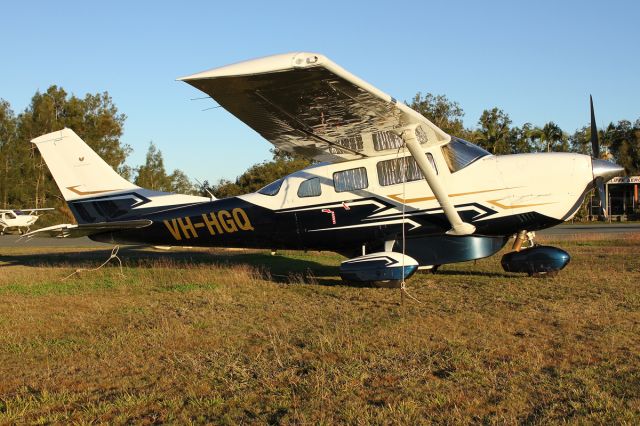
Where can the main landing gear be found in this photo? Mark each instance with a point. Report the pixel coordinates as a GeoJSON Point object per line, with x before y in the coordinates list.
{"type": "Point", "coordinates": [381, 269]}
{"type": "Point", "coordinates": [534, 260]}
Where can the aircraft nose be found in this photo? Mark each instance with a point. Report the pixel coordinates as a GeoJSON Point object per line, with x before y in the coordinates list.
{"type": "Point", "coordinates": [605, 170]}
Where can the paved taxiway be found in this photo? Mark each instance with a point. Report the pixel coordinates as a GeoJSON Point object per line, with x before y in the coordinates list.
{"type": "Point", "coordinates": [580, 229]}
{"type": "Point", "coordinates": [561, 230]}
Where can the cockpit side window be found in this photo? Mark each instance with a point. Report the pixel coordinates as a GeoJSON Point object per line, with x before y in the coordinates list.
{"type": "Point", "coordinates": [310, 188]}
{"type": "Point", "coordinates": [459, 154]}
{"type": "Point", "coordinates": [350, 180]}
{"type": "Point", "coordinates": [272, 189]}
{"type": "Point", "coordinates": [398, 170]}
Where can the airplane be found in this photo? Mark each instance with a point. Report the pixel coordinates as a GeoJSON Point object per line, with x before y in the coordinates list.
{"type": "Point", "coordinates": [19, 219]}
{"type": "Point", "coordinates": [389, 190]}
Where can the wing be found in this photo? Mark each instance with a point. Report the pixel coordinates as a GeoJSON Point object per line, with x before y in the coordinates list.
{"type": "Point", "coordinates": [67, 230]}
{"type": "Point", "coordinates": [306, 104]}
{"type": "Point", "coordinates": [43, 209]}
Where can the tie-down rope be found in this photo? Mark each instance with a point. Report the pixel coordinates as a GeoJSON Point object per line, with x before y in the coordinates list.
{"type": "Point", "coordinates": [114, 255]}
{"type": "Point", "coordinates": [403, 284]}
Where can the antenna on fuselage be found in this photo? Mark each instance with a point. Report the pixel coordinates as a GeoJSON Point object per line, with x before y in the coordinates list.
{"type": "Point", "coordinates": [211, 196]}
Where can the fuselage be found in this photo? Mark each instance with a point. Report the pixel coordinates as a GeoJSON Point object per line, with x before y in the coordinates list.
{"type": "Point", "coordinates": [365, 204]}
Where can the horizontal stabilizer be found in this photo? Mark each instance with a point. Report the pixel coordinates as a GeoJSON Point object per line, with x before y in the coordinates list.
{"type": "Point", "coordinates": [67, 230]}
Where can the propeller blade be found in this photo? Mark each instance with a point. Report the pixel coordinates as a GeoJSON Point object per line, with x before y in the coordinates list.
{"type": "Point", "coordinates": [601, 196]}
{"type": "Point", "coordinates": [595, 145]}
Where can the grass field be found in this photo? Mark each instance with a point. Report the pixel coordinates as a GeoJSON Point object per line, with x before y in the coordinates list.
{"type": "Point", "coordinates": [244, 337]}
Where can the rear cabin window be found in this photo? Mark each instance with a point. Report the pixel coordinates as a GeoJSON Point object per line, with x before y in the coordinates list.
{"type": "Point", "coordinates": [390, 172]}
{"type": "Point", "coordinates": [310, 188]}
{"type": "Point", "coordinates": [350, 180]}
{"type": "Point", "coordinates": [272, 189]}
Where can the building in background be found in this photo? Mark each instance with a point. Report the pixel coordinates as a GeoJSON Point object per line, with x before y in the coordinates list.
{"type": "Point", "coordinates": [621, 199]}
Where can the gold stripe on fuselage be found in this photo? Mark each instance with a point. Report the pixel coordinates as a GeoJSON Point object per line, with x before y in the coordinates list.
{"type": "Point", "coordinates": [397, 197]}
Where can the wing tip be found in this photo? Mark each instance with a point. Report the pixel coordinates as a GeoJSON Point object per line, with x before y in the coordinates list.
{"type": "Point", "coordinates": [263, 65]}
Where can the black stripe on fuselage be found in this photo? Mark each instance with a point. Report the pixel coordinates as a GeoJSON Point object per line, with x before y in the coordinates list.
{"type": "Point", "coordinates": [234, 222]}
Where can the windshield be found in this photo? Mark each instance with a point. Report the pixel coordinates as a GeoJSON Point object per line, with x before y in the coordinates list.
{"type": "Point", "coordinates": [272, 189]}
{"type": "Point", "coordinates": [459, 154]}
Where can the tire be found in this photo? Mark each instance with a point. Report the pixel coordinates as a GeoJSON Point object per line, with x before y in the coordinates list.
{"type": "Point", "coordinates": [548, 274]}
{"type": "Point", "coordinates": [387, 284]}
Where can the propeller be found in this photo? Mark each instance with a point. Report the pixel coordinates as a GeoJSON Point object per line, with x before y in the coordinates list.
{"type": "Point", "coordinates": [595, 145]}
{"type": "Point", "coordinates": [595, 152]}
{"type": "Point", "coordinates": [603, 171]}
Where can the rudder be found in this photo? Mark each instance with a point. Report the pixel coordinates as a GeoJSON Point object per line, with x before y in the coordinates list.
{"type": "Point", "coordinates": [78, 170]}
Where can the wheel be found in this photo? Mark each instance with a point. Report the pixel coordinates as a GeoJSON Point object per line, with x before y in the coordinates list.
{"type": "Point", "coordinates": [547, 274]}
{"type": "Point", "coordinates": [387, 284]}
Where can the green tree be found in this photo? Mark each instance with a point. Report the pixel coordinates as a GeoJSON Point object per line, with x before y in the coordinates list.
{"type": "Point", "coordinates": [95, 119]}
{"type": "Point", "coordinates": [153, 175]}
{"type": "Point", "coordinates": [258, 176]}
{"type": "Point", "coordinates": [180, 183]}
{"type": "Point", "coordinates": [8, 137]}
{"type": "Point", "coordinates": [224, 189]}
{"type": "Point", "coordinates": [442, 112]}
{"type": "Point", "coordinates": [580, 141]}
{"type": "Point", "coordinates": [494, 133]}
{"type": "Point", "coordinates": [520, 140]}
{"type": "Point", "coordinates": [551, 138]}
{"type": "Point", "coordinates": [623, 140]}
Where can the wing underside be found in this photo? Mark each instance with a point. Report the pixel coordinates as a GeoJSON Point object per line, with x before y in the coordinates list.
{"type": "Point", "coordinates": [306, 104]}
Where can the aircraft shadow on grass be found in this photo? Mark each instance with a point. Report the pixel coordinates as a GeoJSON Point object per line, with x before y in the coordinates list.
{"type": "Point", "coordinates": [280, 268]}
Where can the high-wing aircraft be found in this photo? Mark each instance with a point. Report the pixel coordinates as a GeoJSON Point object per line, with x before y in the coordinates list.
{"type": "Point", "coordinates": [390, 190]}
{"type": "Point", "coordinates": [19, 219]}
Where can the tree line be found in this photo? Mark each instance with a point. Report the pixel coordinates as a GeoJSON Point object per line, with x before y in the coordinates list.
{"type": "Point", "coordinates": [25, 181]}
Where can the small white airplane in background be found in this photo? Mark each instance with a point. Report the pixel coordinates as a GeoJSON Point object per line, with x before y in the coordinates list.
{"type": "Point", "coordinates": [19, 219]}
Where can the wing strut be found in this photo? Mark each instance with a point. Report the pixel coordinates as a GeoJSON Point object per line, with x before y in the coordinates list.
{"type": "Point", "coordinates": [458, 227]}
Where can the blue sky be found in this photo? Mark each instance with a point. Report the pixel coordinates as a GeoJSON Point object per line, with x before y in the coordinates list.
{"type": "Point", "coordinates": [537, 60]}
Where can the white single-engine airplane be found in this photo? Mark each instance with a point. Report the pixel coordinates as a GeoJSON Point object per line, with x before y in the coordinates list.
{"type": "Point", "coordinates": [19, 219]}
{"type": "Point", "coordinates": [391, 191]}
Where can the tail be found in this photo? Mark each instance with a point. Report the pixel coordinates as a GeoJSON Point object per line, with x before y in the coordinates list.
{"type": "Point", "coordinates": [94, 192]}
{"type": "Point", "coordinates": [78, 171]}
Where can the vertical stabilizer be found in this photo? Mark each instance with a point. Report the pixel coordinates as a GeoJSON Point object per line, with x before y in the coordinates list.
{"type": "Point", "coordinates": [76, 168]}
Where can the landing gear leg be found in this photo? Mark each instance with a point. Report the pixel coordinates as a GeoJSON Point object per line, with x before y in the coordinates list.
{"type": "Point", "coordinates": [521, 237]}
{"type": "Point", "coordinates": [517, 243]}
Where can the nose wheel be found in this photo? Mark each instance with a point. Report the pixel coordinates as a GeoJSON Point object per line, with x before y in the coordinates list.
{"type": "Point", "coordinates": [534, 260]}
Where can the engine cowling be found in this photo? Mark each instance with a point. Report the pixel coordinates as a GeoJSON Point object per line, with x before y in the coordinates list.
{"type": "Point", "coordinates": [537, 260]}
{"type": "Point", "coordinates": [381, 268]}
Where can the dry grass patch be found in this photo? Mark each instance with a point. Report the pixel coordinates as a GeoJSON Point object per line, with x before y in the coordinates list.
{"type": "Point", "coordinates": [208, 336]}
